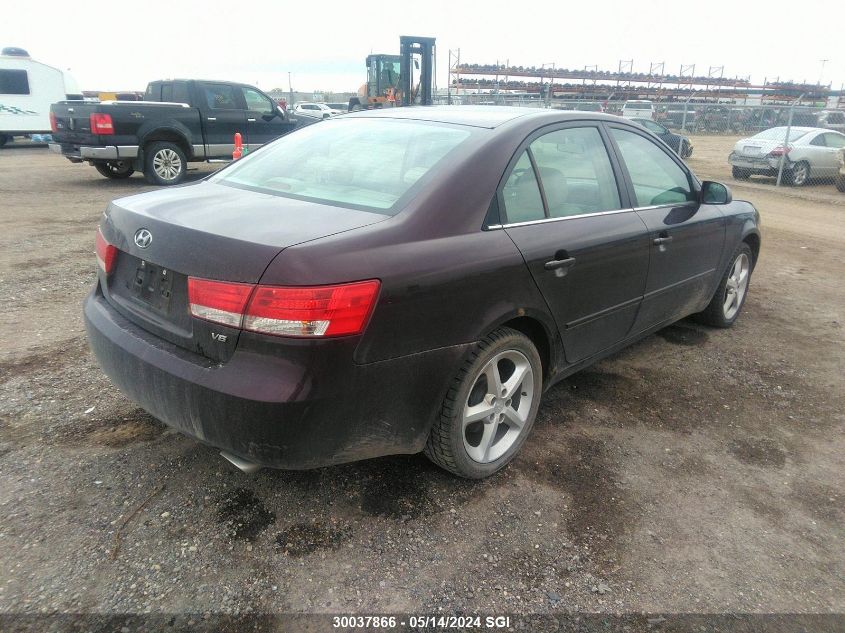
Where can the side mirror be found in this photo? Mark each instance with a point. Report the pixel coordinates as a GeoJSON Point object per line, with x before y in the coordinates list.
{"type": "Point", "coordinates": [715, 193]}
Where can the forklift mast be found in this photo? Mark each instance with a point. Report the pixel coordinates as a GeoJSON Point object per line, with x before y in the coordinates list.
{"type": "Point", "coordinates": [423, 46]}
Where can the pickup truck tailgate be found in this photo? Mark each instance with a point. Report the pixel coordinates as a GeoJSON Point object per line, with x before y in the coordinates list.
{"type": "Point", "coordinates": [73, 122]}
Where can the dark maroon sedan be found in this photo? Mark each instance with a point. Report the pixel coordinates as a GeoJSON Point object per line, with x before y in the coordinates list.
{"type": "Point", "coordinates": [407, 280]}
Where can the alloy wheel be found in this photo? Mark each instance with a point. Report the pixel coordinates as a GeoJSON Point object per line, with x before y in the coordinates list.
{"type": "Point", "coordinates": [736, 286]}
{"type": "Point", "coordinates": [498, 406]}
{"type": "Point", "coordinates": [167, 164]}
{"type": "Point", "coordinates": [800, 173]}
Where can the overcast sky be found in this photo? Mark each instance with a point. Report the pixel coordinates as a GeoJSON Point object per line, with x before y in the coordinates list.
{"type": "Point", "coordinates": [323, 43]}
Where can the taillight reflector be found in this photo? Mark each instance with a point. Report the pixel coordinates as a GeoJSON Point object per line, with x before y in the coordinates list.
{"type": "Point", "coordinates": [53, 123]}
{"type": "Point", "coordinates": [338, 310]}
{"type": "Point", "coordinates": [101, 123]}
{"type": "Point", "coordinates": [106, 253]}
{"type": "Point", "coordinates": [780, 150]}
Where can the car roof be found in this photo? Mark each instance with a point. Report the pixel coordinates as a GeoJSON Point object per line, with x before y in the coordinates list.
{"type": "Point", "coordinates": [477, 116]}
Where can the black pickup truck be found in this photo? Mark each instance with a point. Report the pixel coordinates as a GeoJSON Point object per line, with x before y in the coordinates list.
{"type": "Point", "coordinates": [178, 121]}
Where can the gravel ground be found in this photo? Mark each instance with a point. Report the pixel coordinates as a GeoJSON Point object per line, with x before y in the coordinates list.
{"type": "Point", "coordinates": [697, 471]}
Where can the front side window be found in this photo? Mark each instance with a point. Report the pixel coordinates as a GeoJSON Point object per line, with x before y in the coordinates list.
{"type": "Point", "coordinates": [221, 97]}
{"type": "Point", "coordinates": [256, 102]}
{"type": "Point", "coordinates": [14, 82]}
{"type": "Point", "coordinates": [657, 179]}
{"type": "Point", "coordinates": [361, 163]}
{"type": "Point", "coordinates": [521, 193]}
{"type": "Point", "coordinates": [575, 171]}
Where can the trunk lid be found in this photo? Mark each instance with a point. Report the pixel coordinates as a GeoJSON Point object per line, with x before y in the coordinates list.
{"type": "Point", "coordinates": [210, 231]}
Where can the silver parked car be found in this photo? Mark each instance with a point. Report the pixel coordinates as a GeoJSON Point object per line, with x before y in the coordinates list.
{"type": "Point", "coordinates": [810, 153]}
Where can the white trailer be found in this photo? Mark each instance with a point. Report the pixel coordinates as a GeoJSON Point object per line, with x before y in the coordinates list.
{"type": "Point", "coordinates": [27, 89]}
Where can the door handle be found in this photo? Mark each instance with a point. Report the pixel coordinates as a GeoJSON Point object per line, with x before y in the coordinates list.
{"type": "Point", "coordinates": [664, 239]}
{"type": "Point", "coordinates": [212, 118]}
{"type": "Point", "coordinates": [556, 264]}
{"type": "Point", "coordinates": [251, 120]}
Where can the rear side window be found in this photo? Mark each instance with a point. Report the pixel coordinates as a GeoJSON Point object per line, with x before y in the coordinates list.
{"type": "Point", "coordinates": [575, 171]}
{"type": "Point", "coordinates": [14, 82]}
{"type": "Point", "coordinates": [153, 92]}
{"type": "Point", "coordinates": [221, 97]}
{"type": "Point", "coordinates": [657, 179]}
{"type": "Point", "coordinates": [180, 92]}
{"type": "Point", "coordinates": [521, 193]}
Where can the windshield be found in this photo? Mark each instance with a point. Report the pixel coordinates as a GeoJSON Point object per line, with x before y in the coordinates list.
{"type": "Point", "coordinates": [361, 163]}
{"type": "Point", "coordinates": [779, 133]}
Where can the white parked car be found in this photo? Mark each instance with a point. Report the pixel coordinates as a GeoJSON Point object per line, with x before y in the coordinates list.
{"type": "Point", "coordinates": [314, 110]}
{"type": "Point", "coordinates": [638, 109]}
{"type": "Point", "coordinates": [811, 152]}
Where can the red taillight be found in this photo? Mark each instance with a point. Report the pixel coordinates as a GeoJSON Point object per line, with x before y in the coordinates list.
{"type": "Point", "coordinates": [53, 123]}
{"type": "Point", "coordinates": [339, 310]}
{"type": "Point", "coordinates": [106, 253]}
{"type": "Point", "coordinates": [218, 301]}
{"type": "Point", "coordinates": [780, 150]}
{"type": "Point", "coordinates": [101, 123]}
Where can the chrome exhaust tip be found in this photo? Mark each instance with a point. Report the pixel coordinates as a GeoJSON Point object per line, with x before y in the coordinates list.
{"type": "Point", "coordinates": [242, 464]}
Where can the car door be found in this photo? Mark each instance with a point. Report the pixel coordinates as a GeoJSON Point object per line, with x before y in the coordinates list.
{"type": "Point", "coordinates": [586, 249]}
{"type": "Point", "coordinates": [264, 120]}
{"type": "Point", "coordinates": [222, 111]}
{"type": "Point", "coordinates": [686, 237]}
{"type": "Point", "coordinates": [826, 146]}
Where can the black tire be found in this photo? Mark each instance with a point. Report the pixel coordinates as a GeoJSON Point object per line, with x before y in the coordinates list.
{"type": "Point", "coordinates": [840, 183]}
{"type": "Point", "coordinates": [715, 313]}
{"type": "Point", "coordinates": [446, 443]}
{"type": "Point", "coordinates": [740, 173]}
{"type": "Point", "coordinates": [798, 175]}
{"type": "Point", "coordinates": [3, 139]}
{"type": "Point", "coordinates": [687, 150]}
{"type": "Point", "coordinates": [117, 169]}
{"type": "Point", "coordinates": [164, 163]}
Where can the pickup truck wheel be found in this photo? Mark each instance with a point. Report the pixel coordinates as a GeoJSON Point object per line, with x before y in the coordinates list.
{"type": "Point", "coordinates": [164, 163]}
{"type": "Point", "coordinates": [117, 169]}
{"type": "Point", "coordinates": [840, 183]}
{"type": "Point", "coordinates": [727, 301]}
{"type": "Point", "coordinates": [490, 407]}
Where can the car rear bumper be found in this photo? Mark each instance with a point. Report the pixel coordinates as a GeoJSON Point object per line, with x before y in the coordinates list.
{"type": "Point", "coordinates": [105, 152]}
{"type": "Point", "coordinates": [759, 165]}
{"type": "Point", "coordinates": [273, 410]}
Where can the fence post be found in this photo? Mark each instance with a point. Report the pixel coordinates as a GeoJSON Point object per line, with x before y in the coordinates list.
{"type": "Point", "coordinates": [786, 139]}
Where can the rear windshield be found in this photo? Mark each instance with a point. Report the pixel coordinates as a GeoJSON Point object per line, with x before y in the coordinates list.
{"type": "Point", "coordinates": [779, 133]}
{"type": "Point", "coordinates": [365, 164]}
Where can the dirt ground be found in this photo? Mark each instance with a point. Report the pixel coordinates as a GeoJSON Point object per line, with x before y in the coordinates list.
{"type": "Point", "coordinates": [698, 471]}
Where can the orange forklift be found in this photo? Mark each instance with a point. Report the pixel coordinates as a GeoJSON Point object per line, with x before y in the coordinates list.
{"type": "Point", "coordinates": [390, 77]}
